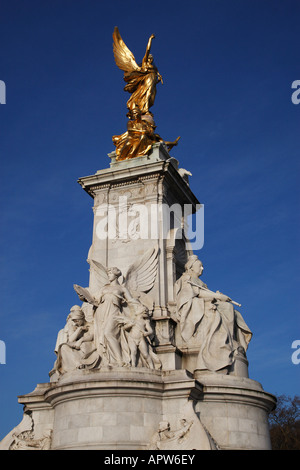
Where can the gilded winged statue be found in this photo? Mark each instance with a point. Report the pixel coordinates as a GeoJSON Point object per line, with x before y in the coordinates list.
{"type": "Point", "coordinates": [141, 79]}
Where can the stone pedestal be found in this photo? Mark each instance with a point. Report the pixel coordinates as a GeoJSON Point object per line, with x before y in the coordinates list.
{"type": "Point", "coordinates": [235, 411]}
{"type": "Point", "coordinates": [122, 410]}
{"type": "Point", "coordinates": [116, 409]}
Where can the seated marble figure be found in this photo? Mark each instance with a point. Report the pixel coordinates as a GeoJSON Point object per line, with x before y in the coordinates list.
{"type": "Point", "coordinates": [210, 319]}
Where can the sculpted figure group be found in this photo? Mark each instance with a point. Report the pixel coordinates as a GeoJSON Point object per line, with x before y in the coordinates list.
{"type": "Point", "coordinates": [112, 327]}
{"type": "Point", "coordinates": [189, 434]}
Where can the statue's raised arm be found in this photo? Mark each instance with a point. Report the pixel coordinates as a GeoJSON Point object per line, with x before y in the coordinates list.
{"type": "Point", "coordinates": [148, 49]}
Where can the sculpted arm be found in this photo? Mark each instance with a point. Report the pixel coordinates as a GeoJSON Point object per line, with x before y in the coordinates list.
{"type": "Point", "coordinates": [210, 295]}
{"type": "Point", "coordinates": [148, 48]}
{"type": "Point", "coordinates": [98, 298]}
{"type": "Point", "coordinates": [87, 337]}
{"type": "Point", "coordinates": [128, 297]}
{"type": "Point", "coordinates": [148, 328]}
{"type": "Point", "coordinates": [74, 336]}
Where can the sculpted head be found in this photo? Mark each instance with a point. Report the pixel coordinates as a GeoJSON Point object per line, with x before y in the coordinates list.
{"type": "Point", "coordinates": [77, 315]}
{"type": "Point", "coordinates": [194, 266]}
{"type": "Point", "coordinates": [113, 273]}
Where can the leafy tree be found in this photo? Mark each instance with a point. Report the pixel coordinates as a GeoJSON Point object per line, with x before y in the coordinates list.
{"type": "Point", "coordinates": [284, 423]}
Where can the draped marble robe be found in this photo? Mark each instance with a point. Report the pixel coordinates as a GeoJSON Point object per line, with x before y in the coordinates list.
{"type": "Point", "coordinates": [219, 328]}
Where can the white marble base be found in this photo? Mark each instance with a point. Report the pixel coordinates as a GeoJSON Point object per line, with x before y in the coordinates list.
{"type": "Point", "coordinates": [235, 411]}
{"type": "Point", "coordinates": [122, 408]}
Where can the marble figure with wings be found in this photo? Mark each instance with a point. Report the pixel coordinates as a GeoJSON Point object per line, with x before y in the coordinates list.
{"type": "Point", "coordinates": [117, 296]}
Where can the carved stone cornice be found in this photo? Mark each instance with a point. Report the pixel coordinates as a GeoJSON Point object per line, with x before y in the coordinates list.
{"type": "Point", "coordinates": [155, 169]}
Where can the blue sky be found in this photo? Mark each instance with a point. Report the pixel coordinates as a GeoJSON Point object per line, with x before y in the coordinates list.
{"type": "Point", "coordinates": [227, 67]}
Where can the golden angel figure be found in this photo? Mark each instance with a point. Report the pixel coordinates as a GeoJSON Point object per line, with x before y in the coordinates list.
{"type": "Point", "coordinates": [141, 79]}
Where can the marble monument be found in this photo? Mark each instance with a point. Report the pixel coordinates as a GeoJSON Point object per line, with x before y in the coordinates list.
{"type": "Point", "coordinates": [149, 358]}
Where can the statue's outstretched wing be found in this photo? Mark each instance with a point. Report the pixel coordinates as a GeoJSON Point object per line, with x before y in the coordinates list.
{"type": "Point", "coordinates": [99, 272]}
{"type": "Point", "coordinates": [141, 275]}
{"type": "Point", "coordinates": [86, 294]}
{"type": "Point", "coordinates": [123, 56]}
